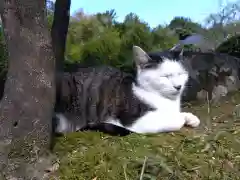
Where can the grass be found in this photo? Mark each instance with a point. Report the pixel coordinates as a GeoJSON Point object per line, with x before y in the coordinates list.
{"type": "Point", "coordinates": [211, 151]}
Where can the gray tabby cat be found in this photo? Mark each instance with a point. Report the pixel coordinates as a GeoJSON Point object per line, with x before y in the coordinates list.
{"type": "Point", "coordinates": [109, 100]}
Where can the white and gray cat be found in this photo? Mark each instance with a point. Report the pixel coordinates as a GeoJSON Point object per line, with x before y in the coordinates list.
{"type": "Point", "coordinates": [109, 100]}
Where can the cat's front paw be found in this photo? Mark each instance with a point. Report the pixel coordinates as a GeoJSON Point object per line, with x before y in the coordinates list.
{"type": "Point", "coordinates": [191, 119]}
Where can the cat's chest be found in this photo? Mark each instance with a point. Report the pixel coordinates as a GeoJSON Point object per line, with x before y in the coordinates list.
{"type": "Point", "coordinates": [157, 101]}
{"type": "Point", "coordinates": [169, 107]}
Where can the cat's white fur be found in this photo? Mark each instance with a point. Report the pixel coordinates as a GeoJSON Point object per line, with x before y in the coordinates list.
{"type": "Point", "coordinates": [157, 89]}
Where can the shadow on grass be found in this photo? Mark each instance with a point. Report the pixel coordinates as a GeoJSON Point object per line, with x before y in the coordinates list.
{"type": "Point", "coordinates": [210, 152]}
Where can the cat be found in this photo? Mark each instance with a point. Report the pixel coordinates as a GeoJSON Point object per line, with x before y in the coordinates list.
{"type": "Point", "coordinates": [108, 99]}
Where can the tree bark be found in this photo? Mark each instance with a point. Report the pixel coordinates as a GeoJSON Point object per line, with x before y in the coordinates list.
{"type": "Point", "coordinates": [29, 93]}
{"type": "Point", "coordinates": [59, 35]}
{"type": "Point", "coordinates": [59, 30]}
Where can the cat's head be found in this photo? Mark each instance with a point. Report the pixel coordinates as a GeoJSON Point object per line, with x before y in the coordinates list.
{"type": "Point", "coordinates": [163, 75]}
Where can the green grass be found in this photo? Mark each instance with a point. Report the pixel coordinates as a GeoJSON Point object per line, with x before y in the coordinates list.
{"type": "Point", "coordinates": [211, 151]}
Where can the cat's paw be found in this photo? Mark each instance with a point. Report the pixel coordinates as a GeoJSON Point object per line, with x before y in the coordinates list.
{"type": "Point", "coordinates": [191, 119]}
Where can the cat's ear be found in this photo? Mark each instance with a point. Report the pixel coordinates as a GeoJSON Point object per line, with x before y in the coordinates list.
{"type": "Point", "coordinates": [140, 57]}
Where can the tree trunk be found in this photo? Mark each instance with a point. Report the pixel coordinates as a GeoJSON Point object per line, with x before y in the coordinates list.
{"type": "Point", "coordinates": [59, 35]}
{"type": "Point", "coordinates": [29, 94]}
{"type": "Point", "coordinates": [59, 30]}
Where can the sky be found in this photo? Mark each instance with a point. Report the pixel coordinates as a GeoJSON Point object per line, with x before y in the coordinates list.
{"type": "Point", "coordinates": [154, 12]}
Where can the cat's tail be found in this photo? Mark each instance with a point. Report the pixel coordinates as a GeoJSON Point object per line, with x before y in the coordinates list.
{"type": "Point", "coordinates": [59, 127]}
{"type": "Point", "coordinates": [107, 128]}
{"type": "Point", "coordinates": [62, 125]}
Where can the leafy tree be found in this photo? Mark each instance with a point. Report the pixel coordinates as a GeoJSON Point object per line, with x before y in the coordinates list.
{"type": "Point", "coordinates": [230, 46]}
{"type": "Point", "coordinates": [103, 49]}
{"type": "Point", "coordinates": [137, 33]}
{"type": "Point", "coordinates": [224, 22]}
{"type": "Point", "coordinates": [163, 38]}
{"type": "Point", "coordinates": [184, 26]}
{"type": "Point", "coordinates": [107, 18]}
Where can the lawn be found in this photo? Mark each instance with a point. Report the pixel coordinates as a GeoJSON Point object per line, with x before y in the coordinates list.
{"type": "Point", "coordinates": [211, 151]}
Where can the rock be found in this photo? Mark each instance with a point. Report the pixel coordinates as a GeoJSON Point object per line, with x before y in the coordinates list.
{"type": "Point", "coordinates": [218, 74]}
{"type": "Point", "coordinates": [192, 88]}
{"type": "Point", "coordinates": [232, 82]}
{"type": "Point", "coordinates": [218, 92]}
{"type": "Point", "coordinates": [202, 95]}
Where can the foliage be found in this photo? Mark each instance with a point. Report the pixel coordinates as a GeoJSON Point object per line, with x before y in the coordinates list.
{"type": "Point", "coordinates": [185, 26]}
{"type": "Point", "coordinates": [99, 38]}
{"type": "Point", "coordinates": [231, 46]}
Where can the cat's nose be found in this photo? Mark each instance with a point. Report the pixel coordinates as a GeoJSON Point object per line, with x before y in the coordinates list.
{"type": "Point", "coordinates": [178, 87]}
